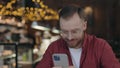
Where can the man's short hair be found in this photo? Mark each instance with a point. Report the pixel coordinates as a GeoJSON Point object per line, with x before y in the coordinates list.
{"type": "Point", "coordinates": [69, 10]}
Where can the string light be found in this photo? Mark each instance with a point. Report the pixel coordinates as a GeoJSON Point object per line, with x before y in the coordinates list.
{"type": "Point", "coordinates": [29, 13]}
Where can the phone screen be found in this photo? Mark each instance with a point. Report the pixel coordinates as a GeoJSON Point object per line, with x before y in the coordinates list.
{"type": "Point", "coordinates": [60, 60]}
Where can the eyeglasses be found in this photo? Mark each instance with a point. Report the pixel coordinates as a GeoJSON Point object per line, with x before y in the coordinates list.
{"type": "Point", "coordinates": [75, 32]}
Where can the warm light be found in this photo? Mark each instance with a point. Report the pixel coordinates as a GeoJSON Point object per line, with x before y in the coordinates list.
{"type": "Point", "coordinates": [1, 6]}
{"type": "Point", "coordinates": [88, 10]}
{"type": "Point", "coordinates": [38, 1]}
{"type": "Point", "coordinates": [33, 0]}
{"type": "Point", "coordinates": [29, 13]}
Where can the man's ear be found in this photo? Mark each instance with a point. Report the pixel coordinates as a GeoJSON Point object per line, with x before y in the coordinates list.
{"type": "Point", "coordinates": [85, 25]}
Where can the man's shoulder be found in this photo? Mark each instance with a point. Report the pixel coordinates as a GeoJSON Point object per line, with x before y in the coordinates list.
{"type": "Point", "coordinates": [96, 39]}
{"type": "Point", "coordinates": [57, 46]}
{"type": "Point", "coordinates": [99, 43]}
{"type": "Point", "coordinates": [57, 43]}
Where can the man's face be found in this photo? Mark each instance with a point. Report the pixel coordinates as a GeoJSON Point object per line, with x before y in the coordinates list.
{"type": "Point", "coordinates": [72, 30]}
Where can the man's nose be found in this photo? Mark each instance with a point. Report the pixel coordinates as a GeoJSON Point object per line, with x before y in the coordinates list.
{"type": "Point", "coordinates": [70, 36]}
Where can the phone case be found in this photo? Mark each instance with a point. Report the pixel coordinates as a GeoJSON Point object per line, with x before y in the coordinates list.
{"type": "Point", "coordinates": [60, 60]}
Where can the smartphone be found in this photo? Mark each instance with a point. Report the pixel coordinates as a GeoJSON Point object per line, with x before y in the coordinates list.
{"type": "Point", "coordinates": [60, 60]}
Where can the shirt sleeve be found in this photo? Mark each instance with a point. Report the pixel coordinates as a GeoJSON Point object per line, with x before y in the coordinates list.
{"type": "Point", "coordinates": [46, 61]}
{"type": "Point", "coordinates": [108, 59]}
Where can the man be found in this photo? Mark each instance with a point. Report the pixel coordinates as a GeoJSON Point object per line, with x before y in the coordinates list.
{"type": "Point", "coordinates": [83, 50]}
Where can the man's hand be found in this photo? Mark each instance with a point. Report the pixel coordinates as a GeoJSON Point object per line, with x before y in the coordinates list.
{"type": "Point", "coordinates": [66, 67]}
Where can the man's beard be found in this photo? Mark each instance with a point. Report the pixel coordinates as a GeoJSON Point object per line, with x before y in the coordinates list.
{"type": "Point", "coordinates": [77, 45]}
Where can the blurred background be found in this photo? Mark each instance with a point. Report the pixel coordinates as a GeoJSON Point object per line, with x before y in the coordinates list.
{"type": "Point", "coordinates": [27, 27]}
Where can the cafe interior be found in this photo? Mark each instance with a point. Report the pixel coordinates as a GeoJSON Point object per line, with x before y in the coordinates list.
{"type": "Point", "coordinates": [27, 27]}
